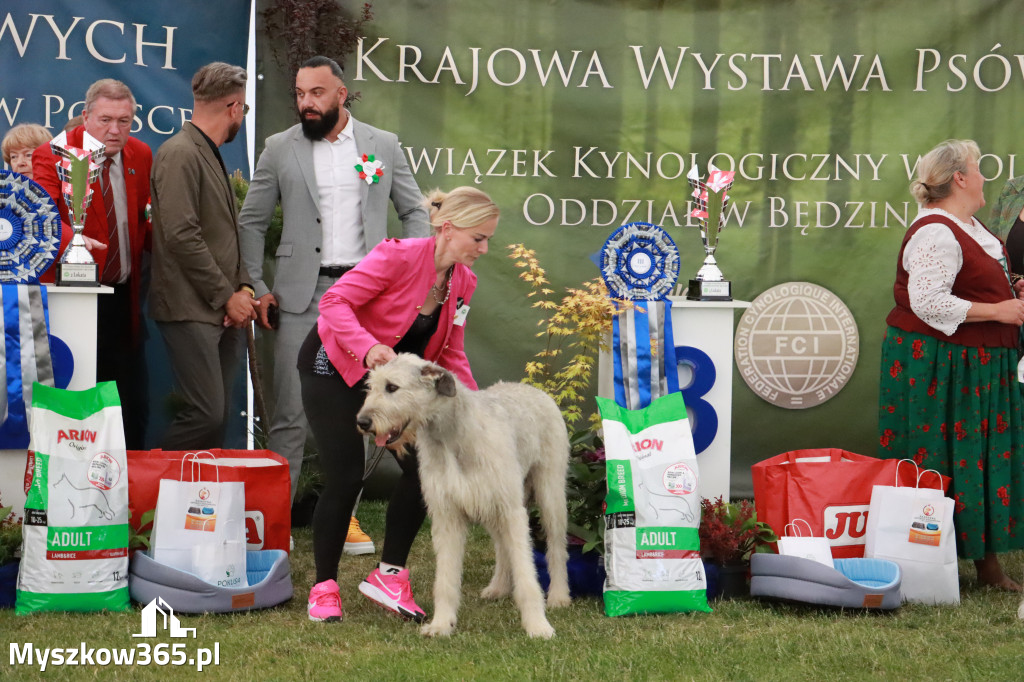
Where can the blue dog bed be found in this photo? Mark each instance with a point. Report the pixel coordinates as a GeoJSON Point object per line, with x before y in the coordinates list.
{"type": "Point", "coordinates": [852, 584]}
{"type": "Point", "coordinates": [268, 572]}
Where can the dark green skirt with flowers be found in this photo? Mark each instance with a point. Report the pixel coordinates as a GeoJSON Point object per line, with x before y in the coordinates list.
{"type": "Point", "coordinates": [959, 410]}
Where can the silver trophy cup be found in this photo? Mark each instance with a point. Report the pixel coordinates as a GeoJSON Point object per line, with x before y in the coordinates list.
{"type": "Point", "coordinates": [710, 200]}
{"type": "Point", "coordinates": [77, 169]}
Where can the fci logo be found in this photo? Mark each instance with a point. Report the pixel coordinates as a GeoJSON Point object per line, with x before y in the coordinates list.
{"type": "Point", "coordinates": [846, 524]}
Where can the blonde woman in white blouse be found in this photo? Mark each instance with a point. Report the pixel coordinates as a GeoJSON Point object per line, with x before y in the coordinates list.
{"type": "Point", "coordinates": [949, 398]}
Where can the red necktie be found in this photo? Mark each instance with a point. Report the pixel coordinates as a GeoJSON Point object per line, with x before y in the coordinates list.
{"type": "Point", "coordinates": [112, 271]}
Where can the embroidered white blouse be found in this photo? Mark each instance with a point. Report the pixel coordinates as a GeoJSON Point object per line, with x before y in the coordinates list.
{"type": "Point", "coordinates": [932, 260]}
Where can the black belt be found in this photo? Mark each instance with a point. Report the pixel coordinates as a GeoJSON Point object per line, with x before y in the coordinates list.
{"type": "Point", "coordinates": [334, 271]}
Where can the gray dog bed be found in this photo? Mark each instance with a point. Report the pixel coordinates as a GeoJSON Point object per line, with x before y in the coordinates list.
{"type": "Point", "coordinates": [268, 571]}
{"type": "Point", "coordinates": [853, 583]}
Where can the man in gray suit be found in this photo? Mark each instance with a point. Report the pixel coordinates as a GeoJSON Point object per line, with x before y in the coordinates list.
{"type": "Point", "coordinates": [332, 218]}
{"type": "Point", "coordinates": [200, 294]}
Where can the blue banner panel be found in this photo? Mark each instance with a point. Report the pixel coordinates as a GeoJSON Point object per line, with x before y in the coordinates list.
{"type": "Point", "coordinates": [52, 50]}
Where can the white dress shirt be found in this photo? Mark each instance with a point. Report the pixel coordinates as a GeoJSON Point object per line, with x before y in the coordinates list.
{"type": "Point", "coordinates": [340, 204]}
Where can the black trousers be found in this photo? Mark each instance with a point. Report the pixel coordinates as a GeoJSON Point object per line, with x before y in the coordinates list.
{"type": "Point", "coordinates": [331, 407]}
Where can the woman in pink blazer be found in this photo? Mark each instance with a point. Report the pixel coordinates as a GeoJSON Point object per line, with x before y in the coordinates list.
{"type": "Point", "coordinates": [407, 295]}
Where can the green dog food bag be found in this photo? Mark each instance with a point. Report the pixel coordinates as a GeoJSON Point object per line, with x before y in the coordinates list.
{"type": "Point", "coordinates": [75, 548]}
{"type": "Point", "coordinates": [652, 546]}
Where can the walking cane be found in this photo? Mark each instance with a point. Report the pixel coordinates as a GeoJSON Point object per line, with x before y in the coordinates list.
{"type": "Point", "coordinates": [256, 379]}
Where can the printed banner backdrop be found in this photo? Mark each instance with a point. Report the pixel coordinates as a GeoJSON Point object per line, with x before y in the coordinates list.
{"type": "Point", "coordinates": [579, 116]}
{"type": "Point", "coordinates": [53, 50]}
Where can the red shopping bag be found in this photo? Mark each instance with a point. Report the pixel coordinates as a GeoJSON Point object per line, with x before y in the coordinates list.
{"type": "Point", "coordinates": [829, 488]}
{"type": "Point", "coordinates": [264, 474]}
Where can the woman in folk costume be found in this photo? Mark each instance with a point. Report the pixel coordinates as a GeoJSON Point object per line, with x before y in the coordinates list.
{"type": "Point", "coordinates": [949, 398]}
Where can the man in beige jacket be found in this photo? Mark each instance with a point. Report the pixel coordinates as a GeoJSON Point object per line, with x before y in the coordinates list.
{"type": "Point", "coordinates": [200, 295]}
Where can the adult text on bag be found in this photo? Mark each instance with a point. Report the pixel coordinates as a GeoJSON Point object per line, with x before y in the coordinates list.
{"type": "Point", "coordinates": [652, 545]}
{"type": "Point", "coordinates": [75, 552]}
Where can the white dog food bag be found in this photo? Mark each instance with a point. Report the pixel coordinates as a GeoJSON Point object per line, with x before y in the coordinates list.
{"type": "Point", "coordinates": [652, 545]}
{"type": "Point", "coordinates": [75, 550]}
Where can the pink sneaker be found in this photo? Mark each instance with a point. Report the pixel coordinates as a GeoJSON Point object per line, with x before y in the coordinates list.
{"type": "Point", "coordinates": [325, 602]}
{"type": "Point", "coordinates": [393, 592]}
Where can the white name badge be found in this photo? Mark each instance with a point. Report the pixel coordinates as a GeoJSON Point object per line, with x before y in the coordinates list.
{"type": "Point", "coordinates": [461, 314]}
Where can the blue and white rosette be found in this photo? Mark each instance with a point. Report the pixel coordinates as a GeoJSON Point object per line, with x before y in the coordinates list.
{"type": "Point", "coordinates": [29, 240]}
{"type": "Point", "coordinates": [29, 229]}
{"type": "Point", "coordinates": [640, 263]}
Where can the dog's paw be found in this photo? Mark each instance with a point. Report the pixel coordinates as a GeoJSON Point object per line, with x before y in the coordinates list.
{"type": "Point", "coordinates": [436, 628]}
{"type": "Point", "coordinates": [558, 600]}
{"type": "Point", "coordinates": [541, 629]}
{"type": "Point", "coordinates": [1020, 611]}
{"type": "Point", "coordinates": [493, 591]}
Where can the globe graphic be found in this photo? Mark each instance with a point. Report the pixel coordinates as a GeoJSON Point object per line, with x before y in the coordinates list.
{"type": "Point", "coordinates": [803, 345]}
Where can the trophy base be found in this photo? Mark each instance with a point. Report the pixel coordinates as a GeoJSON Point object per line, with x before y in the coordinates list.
{"type": "Point", "coordinates": [701, 290]}
{"type": "Point", "coordinates": [77, 275]}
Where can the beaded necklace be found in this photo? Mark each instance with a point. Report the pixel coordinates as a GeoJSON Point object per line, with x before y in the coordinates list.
{"type": "Point", "coordinates": [446, 285]}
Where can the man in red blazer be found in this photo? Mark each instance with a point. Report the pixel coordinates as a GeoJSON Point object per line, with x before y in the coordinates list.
{"type": "Point", "coordinates": [108, 115]}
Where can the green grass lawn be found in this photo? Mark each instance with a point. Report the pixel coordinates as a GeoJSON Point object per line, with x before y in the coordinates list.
{"type": "Point", "coordinates": [742, 640]}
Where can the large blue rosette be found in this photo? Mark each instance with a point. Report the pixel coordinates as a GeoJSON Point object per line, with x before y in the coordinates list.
{"type": "Point", "coordinates": [640, 262]}
{"type": "Point", "coordinates": [29, 241]}
{"type": "Point", "coordinates": [29, 229]}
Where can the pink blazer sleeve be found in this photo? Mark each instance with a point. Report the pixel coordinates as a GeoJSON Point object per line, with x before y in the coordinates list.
{"type": "Point", "coordinates": [372, 280]}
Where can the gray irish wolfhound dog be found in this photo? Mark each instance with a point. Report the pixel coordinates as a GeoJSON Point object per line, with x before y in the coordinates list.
{"type": "Point", "coordinates": [482, 454]}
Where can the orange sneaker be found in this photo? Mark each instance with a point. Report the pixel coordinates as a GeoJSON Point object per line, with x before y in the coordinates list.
{"type": "Point", "coordinates": [357, 542]}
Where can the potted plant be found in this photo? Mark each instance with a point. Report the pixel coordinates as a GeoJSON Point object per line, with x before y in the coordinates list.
{"type": "Point", "coordinates": [585, 493]}
{"type": "Point", "coordinates": [729, 534]}
{"type": "Point", "coordinates": [10, 555]}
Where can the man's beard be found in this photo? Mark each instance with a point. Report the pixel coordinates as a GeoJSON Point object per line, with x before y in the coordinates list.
{"type": "Point", "coordinates": [317, 129]}
{"type": "Point", "coordinates": [235, 127]}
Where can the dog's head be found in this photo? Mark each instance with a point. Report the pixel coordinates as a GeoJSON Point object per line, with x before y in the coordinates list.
{"type": "Point", "coordinates": [400, 396]}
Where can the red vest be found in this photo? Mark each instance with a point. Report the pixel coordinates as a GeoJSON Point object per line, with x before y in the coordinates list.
{"type": "Point", "coordinates": [981, 279]}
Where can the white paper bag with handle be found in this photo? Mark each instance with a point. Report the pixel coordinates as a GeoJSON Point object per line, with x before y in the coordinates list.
{"type": "Point", "coordinates": [221, 563]}
{"type": "Point", "coordinates": [200, 525]}
{"type": "Point", "coordinates": [913, 526]}
{"type": "Point", "coordinates": [805, 546]}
